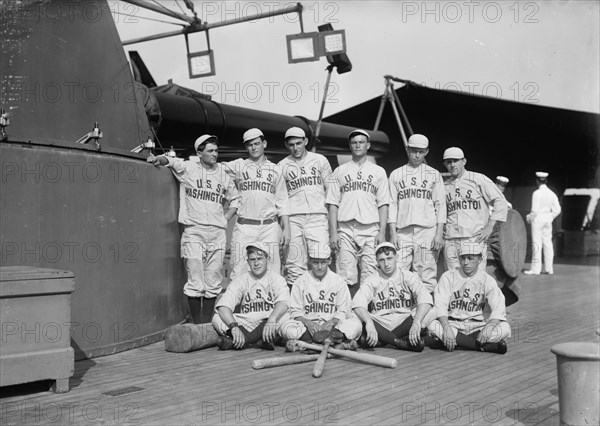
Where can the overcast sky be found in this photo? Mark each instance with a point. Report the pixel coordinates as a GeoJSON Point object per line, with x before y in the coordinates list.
{"type": "Point", "coordinates": [527, 51]}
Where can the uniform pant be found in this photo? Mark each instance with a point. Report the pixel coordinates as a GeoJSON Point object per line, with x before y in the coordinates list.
{"type": "Point", "coordinates": [452, 251]}
{"type": "Point", "coordinates": [415, 253]}
{"type": "Point", "coordinates": [354, 323]}
{"type": "Point", "coordinates": [293, 330]}
{"type": "Point", "coordinates": [501, 331]}
{"type": "Point", "coordinates": [244, 234]}
{"type": "Point", "coordinates": [541, 236]}
{"type": "Point", "coordinates": [222, 329]}
{"type": "Point", "coordinates": [306, 230]}
{"type": "Point", "coordinates": [203, 251]}
{"type": "Point", "coordinates": [357, 244]}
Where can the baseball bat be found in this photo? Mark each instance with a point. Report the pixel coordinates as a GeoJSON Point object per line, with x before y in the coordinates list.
{"type": "Point", "coordinates": [380, 361]}
{"type": "Point", "coordinates": [277, 361]}
{"type": "Point", "coordinates": [320, 364]}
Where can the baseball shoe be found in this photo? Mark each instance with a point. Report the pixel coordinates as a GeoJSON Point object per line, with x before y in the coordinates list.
{"type": "Point", "coordinates": [433, 342]}
{"type": "Point", "coordinates": [497, 348]}
{"type": "Point", "coordinates": [405, 345]}
{"type": "Point", "coordinates": [225, 343]}
{"type": "Point", "coordinates": [348, 345]}
{"type": "Point", "coordinates": [547, 273]}
{"type": "Point", "coordinates": [530, 272]}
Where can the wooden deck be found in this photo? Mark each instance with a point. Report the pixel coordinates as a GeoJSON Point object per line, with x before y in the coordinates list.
{"type": "Point", "coordinates": [152, 386]}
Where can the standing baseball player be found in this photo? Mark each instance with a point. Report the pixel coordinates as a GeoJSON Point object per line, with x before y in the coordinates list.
{"type": "Point", "coordinates": [418, 212]}
{"type": "Point", "coordinates": [320, 304]}
{"type": "Point", "coordinates": [469, 197]}
{"type": "Point", "coordinates": [306, 176]}
{"type": "Point", "coordinates": [263, 199]}
{"type": "Point", "coordinates": [544, 209]}
{"type": "Point", "coordinates": [263, 298]}
{"type": "Point", "coordinates": [460, 298]}
{"type": "Point", "coordinates": [358, 198]}
{"type": "Point", "coordinates": [400, 305]}
{"type": "Point", "coordinates": [204, 189]}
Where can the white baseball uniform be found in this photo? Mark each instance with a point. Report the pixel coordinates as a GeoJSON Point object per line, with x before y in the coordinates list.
{"type": "Point", "coordinates": [306, 181]}
{"type": "Point", "coordinates": [463, 299]}
{"type": "Point", "coordinates": [263, 198]}
{"type": "Point", "coordinates": [318, 301]}
{"type": "Point", "coordinates": [256, 298]}
{"type": "Point", "coordinates": [544, 209]}
{"type": "Point", "coordinates": [468, 199]}
{"type": "Point", "coordinates": [418, 205]}
{"type": "Point", "coordinates": [359, 190]}
{"type": "Point", "coordinates": [202, 195]}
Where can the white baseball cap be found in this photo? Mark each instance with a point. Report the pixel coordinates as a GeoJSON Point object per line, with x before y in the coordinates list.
{"type": "Point", "coordinates": [502, 179]}
{"type": "Point", "coordinates": [319, 251]}
{"type": "Point", "coordinates": [541, 174]}
{"type": "Point", "coordinates": [470, 247]}
{"type": "Point", "coordinates": [259, 245]}
{"type": "Point", "coordinates": [359, 132]}
{"type": "Point", "coordinates": [454, 153]}
{"type": "Point", "coordinates": [418, 141]}
{"type": "Point", "coordinates": [203, 139]}
{"type": "Point", "coordinates": [385, 244]}
{"type": "Point", "coordinates": [252, 134]}
{"type": "Point", "coordinates": [295, 132]}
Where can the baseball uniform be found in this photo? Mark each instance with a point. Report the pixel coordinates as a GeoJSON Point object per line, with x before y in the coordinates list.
{"type": "Point", "coordinates": [418, 205]}
{"type": "Point", "coordinates": [358, 190]}
{"type": "Point", "coordinates": [202, 194]}
{"type": "Point", "coordinates": [306, 182]}
{"type": "Point", "coordinates": [544, 209]}
{"type": "Point", "coordinates": [263, 198]}
{"type": "Point", "coordinates": [468, 199]}
{"type": "Point", "coordinates": [462, 299]}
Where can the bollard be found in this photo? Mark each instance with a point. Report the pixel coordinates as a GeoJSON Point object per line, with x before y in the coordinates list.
{"type": "Point", "coordinates": [578, 382]}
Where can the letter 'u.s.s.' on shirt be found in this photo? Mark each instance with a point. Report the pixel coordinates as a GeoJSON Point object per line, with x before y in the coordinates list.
{"type": "Point", "coordinates": [467, 204]}
{"type": "Point", "coordinates": [358, 191]}
{"type": "Point", "coordinates": [261, 186]}
{"type": "Point", "coordinates": [202, 192]}
{"type": "Point", "coordinates": [306, 181]}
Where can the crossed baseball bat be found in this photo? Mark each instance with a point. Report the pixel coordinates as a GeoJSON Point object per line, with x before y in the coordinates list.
{"type": "Point", "coordinates": [325, 352]}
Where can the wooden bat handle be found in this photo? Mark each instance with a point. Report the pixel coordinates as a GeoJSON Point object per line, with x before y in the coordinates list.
{"type": "Point", "coordinates": [277, 361]}
{"type": "Point", "coordinates": [320, 364]}
{"type": "Point", "coordinates": [357, 356]}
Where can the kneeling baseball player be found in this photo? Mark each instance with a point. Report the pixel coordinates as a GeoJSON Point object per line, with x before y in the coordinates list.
{"type": "Point", "coordinates": [320, 303]}
{"type": "Point", "coordinates": [400, 304]}
{"type": "Point", "coordinates": [263, 297]}
{"type": "Point", "coordinates": [460, 298]}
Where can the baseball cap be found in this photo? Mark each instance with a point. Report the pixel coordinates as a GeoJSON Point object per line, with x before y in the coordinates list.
{"type": "Point", "coordinates": [502, 179]}
{"type": "Point", "coordinates": [418, 141]}
{"type": "Point", "coordinates": [252, 134]}
{"type": "Point", "coordinates": [295, 132]}
{"type": "Point", "coordinates": [259, 245]}
{"type": "Point", "coordinates": [383, 245]}
{"type": "Point", "coordinates": [541, 174]}
{"type": "Point", "coordinates": [319, 251]}
{"type": "Point", "coordinates": [470, 247]}
{"type": "Point", "coordinates": [454, 153]}
{"type": "Point", "coordinates": [203, 139]}
{"type": "Point", "coordinates": [359, 132]}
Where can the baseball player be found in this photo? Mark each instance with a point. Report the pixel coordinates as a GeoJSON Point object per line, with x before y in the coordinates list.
{"type": "Point", "coordinates": [263, 199]}
{"type": "Point", "coordinates": [306, 176]}
{"type": "Point", "coordinates": [418, 212]}
{"type": "Point", "coordinates": [460, 298]}
{"type": "Point", "coordinates": [400, 305]}
{"type": "Point", "coordinates": [320, 303]}
{"type": "Point", "coordinates": [203, 191]}
{"type": "Point", "coordinates": [469, 197]}
{"type": "Point", "coordinates": [358, 198]}
{"type": "Point", "coordinates": [263, 298]}
{"type": "Point", "coordinates": [501, 184]}
{"type": "Point", "coordinates": [544, 209]}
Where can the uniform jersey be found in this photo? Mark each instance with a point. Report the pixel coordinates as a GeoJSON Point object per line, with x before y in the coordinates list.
{"type": "Point", "coordinates": [544, 204]}
{"type": "Point", "coordinates": [202, 192]}
{"type": "Point", "coordinates": [358, 191]}
{"type": "Point", "coordinates": [467, 204]}
{"type": "Point", "coordinates": [256, 297]}
{"type": "Point", "coordinates": [464, 298]}
{"type": "Point", "coordinates": [306, 181]}
{"type": "Point", "coordinates": [262, 189]}
{"type": "Point", "coordinates": [418, 197]}
{"type": "Point", "coordinates": [323, 299]}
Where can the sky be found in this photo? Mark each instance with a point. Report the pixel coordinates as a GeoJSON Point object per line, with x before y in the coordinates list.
{"type": "Point", "coordinates": [545, 53]}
